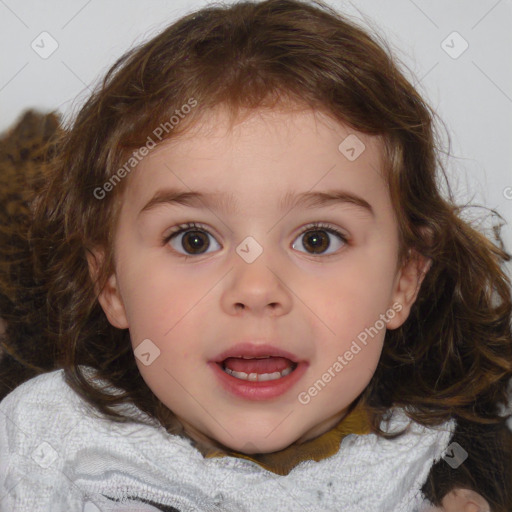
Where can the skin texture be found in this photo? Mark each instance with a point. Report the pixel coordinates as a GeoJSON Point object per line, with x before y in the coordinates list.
{"type": "Point", "coordinates": [312, 305]}
{"type": "Point", "coordinates": [462, 500]}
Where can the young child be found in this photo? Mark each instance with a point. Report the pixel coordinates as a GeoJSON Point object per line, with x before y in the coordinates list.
{"type": "Point", "coordinates": [255, 295]}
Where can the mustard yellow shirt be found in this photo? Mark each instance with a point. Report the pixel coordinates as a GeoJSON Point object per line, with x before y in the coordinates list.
{"type": "Point", "coordinates": [321, 447]}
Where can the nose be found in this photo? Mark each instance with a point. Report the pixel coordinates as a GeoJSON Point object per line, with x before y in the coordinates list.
{"type": "Point", "coordinates": [256, 288]}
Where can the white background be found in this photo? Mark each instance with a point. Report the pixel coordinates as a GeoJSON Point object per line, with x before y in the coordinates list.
{"type": "Point", "coordinates": [472, 93]}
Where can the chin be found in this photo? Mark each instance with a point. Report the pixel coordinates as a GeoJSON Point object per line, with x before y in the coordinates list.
{"type": "Point", "coordinates": [258, 446]}
{"type": "Point", "coordinates": [259, 442]}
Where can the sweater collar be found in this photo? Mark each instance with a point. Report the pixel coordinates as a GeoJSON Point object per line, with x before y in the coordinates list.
{"type": "Point", "coordinates": [321, 447]}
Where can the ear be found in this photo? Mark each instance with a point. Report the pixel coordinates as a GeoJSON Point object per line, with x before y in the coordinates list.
{"type": "Point", "coordinates": [407, 286]}
{"type": "Point", "coordinates": [465, 500]}
{"type": "Point", "coordinates": [475, 502]}
{"type": "Point", "coordinates": [109, 296]}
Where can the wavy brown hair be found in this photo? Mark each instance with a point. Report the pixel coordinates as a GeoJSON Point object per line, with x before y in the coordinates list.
{"type": "Point", "coordinates": [25, 348]}
{"type": "Point", "coordinates": [452, 358]}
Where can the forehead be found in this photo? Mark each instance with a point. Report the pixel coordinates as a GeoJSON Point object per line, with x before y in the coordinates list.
{"type": "Point", "coordinates": [262, 152]}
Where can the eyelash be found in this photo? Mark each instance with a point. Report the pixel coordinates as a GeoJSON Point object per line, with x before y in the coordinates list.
{"type": "Point", "coordinates": [192, 226]}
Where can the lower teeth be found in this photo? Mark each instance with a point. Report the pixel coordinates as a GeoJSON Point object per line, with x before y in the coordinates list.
{"type": "Point", "coordinates": [259, 377]}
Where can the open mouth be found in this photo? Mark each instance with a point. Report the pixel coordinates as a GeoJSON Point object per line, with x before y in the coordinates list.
{"type": "Point", "coordinates": [258, 369]}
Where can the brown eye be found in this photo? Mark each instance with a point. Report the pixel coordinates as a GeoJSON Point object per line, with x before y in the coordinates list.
{"type": "Point", "coordinates": [317, 239]}
{"type": "Point", "coordinates": [187, 241]}
{"type": "Point", "coordinates": [195, 241]}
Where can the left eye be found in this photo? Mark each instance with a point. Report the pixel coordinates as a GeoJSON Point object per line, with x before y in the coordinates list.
{"type": "Point", "coordinates": [317, 240]}
{"type": "Point", "coordinates": [195, 240]}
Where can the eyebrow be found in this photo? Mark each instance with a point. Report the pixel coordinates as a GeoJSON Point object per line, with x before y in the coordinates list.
{"type": "Point", "coordinates": [229, 203]}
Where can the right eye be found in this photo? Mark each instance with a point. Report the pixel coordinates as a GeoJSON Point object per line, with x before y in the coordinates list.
{"type": "Point", "coordinates": [191, 237]}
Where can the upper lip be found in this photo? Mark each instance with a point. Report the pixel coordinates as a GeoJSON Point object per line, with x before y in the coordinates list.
{"type": "Point", "coordinates": [254, 350]}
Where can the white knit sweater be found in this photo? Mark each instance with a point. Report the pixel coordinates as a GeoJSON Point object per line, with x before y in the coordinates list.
{"type": "Point", "coordinates": [56, 455]}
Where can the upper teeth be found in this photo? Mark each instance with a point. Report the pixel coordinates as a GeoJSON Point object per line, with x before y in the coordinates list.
{"type": "Point", "coordinates": [259, 376]}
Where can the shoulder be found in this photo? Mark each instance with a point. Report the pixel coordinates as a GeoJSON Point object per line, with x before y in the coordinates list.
{"type": "Point", "coordinates": [365, 462]}
{"type": "Point", "coordinates": [44, 402]}
{"type": "Point", "coordinates": [41, 388]}
{"type": "Point", "coordinates": [34, 417]}
{"type": "Point", "coordinates": [38, 393]}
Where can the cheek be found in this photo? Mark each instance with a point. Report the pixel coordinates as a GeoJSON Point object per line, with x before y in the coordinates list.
{"type": "Point", "coordinates": [147, 298]}
{"type": "Point", "coordinates": [164, 305]}
{"type": "Point", "coordinates": [351, 313]}
{"type": "Point", "coordinates": [359, 359]}
{"type": "Point", "coordinates": [351, 301]}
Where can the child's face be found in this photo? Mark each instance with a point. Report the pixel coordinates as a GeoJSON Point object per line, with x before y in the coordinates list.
{"type": "Point", "coordinates": [313, 305]}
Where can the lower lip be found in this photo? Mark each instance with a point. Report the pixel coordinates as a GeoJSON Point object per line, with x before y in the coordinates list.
{"type": "Point", "coordinates": [258, 390]}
